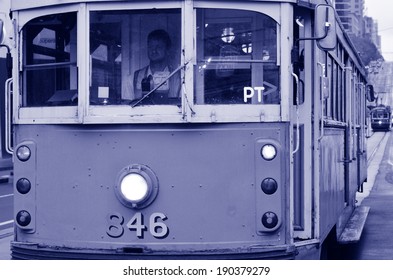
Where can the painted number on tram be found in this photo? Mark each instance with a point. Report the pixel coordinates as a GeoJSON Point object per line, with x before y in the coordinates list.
{"type": "Point", "coordinates": [117, 225]}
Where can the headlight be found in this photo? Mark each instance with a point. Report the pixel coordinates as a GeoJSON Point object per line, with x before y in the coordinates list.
{"type": "Point", "coordinates": [134, 187]}
{"type": "Point", "coordinates": [137, 186]}
{"type": "Point", "coordinates": [268, 152]}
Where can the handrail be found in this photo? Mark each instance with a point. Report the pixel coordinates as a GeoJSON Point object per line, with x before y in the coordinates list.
{"type": "Point", "coordinates": [297, 115]}
{"type": "Point", "coordinates": [322, 109]}
{"type": "Point", "coordinates": [8, 127]}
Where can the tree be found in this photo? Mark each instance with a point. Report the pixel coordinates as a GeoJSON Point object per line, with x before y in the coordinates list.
{"type": "Point", "coordinates": [366, 49]}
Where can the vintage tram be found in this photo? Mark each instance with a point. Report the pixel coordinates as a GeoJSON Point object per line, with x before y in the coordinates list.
{"type": "Point", "coordinates": [183, 129]}
{"type": "Point", "coordinates": [381, 118]}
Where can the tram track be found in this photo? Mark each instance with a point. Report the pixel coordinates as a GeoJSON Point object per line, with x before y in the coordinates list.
{"type": "Point", "coordinates": [376, 147]}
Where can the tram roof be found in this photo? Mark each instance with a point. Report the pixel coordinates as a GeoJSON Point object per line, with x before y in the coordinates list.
{"type": "Point", "coordinates": [23, 4]}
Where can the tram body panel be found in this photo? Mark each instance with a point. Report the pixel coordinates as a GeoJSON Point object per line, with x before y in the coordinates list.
{"type": "Point", "coordinates": [341, 178]}
{"type": "Point", "coordinates": [76, 173]}
{"type": "Point", "coordinates": [332, 177]}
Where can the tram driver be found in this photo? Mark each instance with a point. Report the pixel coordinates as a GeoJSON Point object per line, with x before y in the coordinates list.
{"type": "Point", "coordinates": [156, 75]}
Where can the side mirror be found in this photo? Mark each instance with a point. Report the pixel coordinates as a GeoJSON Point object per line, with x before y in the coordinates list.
{"type": "Point", "coordinates": [370, 93]}
{"type": "Point", "coordinates": [325, 27]}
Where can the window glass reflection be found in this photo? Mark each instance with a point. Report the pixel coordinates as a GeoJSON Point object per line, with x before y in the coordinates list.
{"type": "Point", "coordinates": [237, 58]}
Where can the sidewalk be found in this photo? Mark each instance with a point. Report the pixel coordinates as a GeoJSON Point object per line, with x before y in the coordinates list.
{"type": "Point", "coordinates": [377, 239]}
{"type": "Point", "coordinates": [375, 152]}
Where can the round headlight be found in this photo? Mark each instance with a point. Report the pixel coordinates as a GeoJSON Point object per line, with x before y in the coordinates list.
{"type": "Point", "coordinates": [268, 152]}
{"type": "Point", "coordinates": [137, 186]}
{"type": "Point", "coordinates": [23, 153]}
{"type": "Point", "coordinates": [134, 187]}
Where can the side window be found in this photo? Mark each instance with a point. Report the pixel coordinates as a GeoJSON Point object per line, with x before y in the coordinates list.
{"type": "Point", "coordinates": [237, 58]}
{"type": "Point", "coordinates": [49, 65]}
{"type": "Point", "coordinates": [135, 57]}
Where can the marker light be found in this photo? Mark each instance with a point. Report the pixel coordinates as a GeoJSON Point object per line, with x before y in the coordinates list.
{"type": "Point", "coordinates": [269, 220]}
{"type": "Point", "coordinates": [23, 218]}
{"type": "Point", "coordinates": [134, 187]}
{"type": "Point", "coordinates": [23, 186]}
{"type": "Point", "coordinates": [137, 186]}
{"type": "Point", "coordinates": [268, 152]}
{"type": "Point", "coordinates": [269, 186]}
{"type": "Point", "coordinates": [23, 153]}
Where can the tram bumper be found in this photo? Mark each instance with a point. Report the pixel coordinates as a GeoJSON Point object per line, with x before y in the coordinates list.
{"type": "Point", "coordinates": [31, 251]}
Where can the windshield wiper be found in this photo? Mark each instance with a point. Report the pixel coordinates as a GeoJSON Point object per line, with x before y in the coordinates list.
{"type": "Point", "coordinates": [159, 85]}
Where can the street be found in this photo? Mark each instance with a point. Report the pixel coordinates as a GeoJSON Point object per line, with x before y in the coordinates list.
{"type": "Point", "coordinates": [6, 202]}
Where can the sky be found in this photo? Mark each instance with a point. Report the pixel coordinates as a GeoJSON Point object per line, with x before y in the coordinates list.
{"type": "Point", "coordinates": [382, 11]}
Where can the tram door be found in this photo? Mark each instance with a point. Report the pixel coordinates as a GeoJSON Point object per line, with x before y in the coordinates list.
{"type": "Point", "coordinates": [302, 109]}
{"type": "Point", "coordinates": [5, 157]}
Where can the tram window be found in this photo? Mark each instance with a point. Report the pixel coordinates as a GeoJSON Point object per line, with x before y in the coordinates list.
{"type": "Point", "coordinates": [237, 58]}
{"type": "Point", "coordinates": [49, 66]}
{"type": "Point", "coordinates": [134, 53]}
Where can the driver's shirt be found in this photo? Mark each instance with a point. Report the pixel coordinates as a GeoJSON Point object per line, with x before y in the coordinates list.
{"type": "Point", "coordinates": [171, 86]}
{"type": "Point", "coordinates": [158, 78]}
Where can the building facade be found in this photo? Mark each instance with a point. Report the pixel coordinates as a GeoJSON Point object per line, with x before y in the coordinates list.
{"type": "Point", "coordinates": [351, 15]}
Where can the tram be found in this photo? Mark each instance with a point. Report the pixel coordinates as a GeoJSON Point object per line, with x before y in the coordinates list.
{"type": "Point", "coordinates": [184, 129]}
{"type": "Point", "coordinates": [381, 118]}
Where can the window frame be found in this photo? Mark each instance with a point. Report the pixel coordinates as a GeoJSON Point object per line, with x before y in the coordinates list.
{"type": "Point", "coordinates": [44, 114]}
{"type": "Point", "coordinates": [244, 112]}
{"type": "Point", "coordinates": [189, 112]}
{"type": "Point", "coordinates": [126, 113]}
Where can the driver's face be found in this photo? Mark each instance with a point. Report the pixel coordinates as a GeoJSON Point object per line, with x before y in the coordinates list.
{"type": "Point", "coordinates": [156, 50]}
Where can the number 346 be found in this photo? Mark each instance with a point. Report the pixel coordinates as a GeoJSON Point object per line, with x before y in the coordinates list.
{"type": "Point", "coordinates": [156, 225]}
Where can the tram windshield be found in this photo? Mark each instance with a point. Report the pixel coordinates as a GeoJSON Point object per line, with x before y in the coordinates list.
{"type": "Point", "coordinates": [136, 58]}
{"type": "Point", "coordinates": [134, 55]}
{"type": "Point", "coordinates": [380, 114]}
